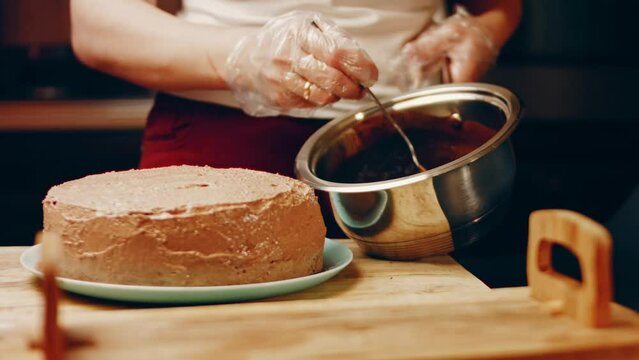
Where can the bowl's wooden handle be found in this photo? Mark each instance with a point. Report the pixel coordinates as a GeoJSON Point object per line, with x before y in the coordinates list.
{"type": "Point", "coordinates": [589, 300]}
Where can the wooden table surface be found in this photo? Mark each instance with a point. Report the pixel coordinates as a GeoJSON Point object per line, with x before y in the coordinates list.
{"type": "Point", "coordinates": [431, 309]}
{"type": "Point", "coordinates": [364, 278]}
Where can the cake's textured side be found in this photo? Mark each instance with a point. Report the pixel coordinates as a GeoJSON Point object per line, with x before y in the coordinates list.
{"type": "Point", "coordinates": [263, 240]}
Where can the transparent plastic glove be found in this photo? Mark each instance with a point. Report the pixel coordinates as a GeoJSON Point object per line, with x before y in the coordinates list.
{"type": "Point", "coordinates": [296, 63]}
{"type": "Point", "coordinates": [459, 42]}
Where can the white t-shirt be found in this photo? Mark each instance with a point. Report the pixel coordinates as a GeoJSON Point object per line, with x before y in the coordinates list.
{"type": "Point", "coordinates": [380, 27]}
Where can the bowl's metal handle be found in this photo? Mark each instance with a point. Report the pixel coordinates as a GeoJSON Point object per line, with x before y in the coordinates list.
{"type": "Point", "coordinates": [589, 300]}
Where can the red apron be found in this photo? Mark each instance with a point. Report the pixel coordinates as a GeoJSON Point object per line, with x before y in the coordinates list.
{"type": "Point", "coordinates": [180, 131]}
{"type": "Point", "coordinates": [186, 132]}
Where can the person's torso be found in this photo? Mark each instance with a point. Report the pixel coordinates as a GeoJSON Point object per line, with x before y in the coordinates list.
{"type": "Point", "coordinates": [380, 27]}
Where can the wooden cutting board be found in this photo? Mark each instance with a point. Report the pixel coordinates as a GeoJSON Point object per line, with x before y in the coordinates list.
{"type": "Point", "coordinates": [382, 321]}
{"type": "Point", "coordinates": [502, 324]}
{"type": "Point", "coordinates": [364, 278]}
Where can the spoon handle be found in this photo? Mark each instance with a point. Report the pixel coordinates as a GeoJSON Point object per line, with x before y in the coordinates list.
{"type": "Point", "coordinates": [401, 132]}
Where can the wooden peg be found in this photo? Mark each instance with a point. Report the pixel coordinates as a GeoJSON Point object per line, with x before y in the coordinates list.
{"type": "Point", "coordinates": [53, 341]}
{"type": "Point", "coordinates": [589, 300]}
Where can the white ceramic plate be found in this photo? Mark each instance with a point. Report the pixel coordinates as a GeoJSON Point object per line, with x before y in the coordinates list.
{"type": "Point", "coordinates": [336, 258]}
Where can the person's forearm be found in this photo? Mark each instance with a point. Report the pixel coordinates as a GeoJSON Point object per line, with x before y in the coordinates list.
{"type": "Point", "coordinates": [140, 43]}
{"type": "Point", "coordinates": [499, 17]}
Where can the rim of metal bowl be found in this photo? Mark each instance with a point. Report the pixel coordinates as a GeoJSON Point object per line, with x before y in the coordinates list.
{"type": "Point", "coordinates": [498, 96]}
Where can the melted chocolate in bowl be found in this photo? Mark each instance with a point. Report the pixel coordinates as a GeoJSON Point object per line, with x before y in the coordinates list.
{"type": "Point", "coordinates": [437, 142]}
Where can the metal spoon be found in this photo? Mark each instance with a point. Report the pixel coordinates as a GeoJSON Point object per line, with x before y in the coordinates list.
{"type": "Point", "coordinates": [387, 116]}
{"type": "Point", "coordinates": [401, 132]}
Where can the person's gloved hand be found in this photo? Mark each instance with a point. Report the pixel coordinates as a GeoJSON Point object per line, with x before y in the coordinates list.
{"type": "Point", "coordinates": [458, 42]}
{"type": "Point", "coordinates": [295, 63]}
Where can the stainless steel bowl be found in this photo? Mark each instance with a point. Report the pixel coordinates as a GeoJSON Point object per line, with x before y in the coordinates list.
{"type": "Point", "coordinates": [427, 213]}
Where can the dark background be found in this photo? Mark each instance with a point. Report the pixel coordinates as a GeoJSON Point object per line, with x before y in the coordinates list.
{"type": "Point", "coordinates": [574, 64]}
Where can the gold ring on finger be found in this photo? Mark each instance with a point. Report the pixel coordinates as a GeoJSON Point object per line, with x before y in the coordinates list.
{"type": "Point", "coordinates": [307, 90]}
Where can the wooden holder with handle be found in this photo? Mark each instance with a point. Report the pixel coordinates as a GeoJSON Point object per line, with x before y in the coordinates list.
{"type": "Point", "coordinates": [589, 300]}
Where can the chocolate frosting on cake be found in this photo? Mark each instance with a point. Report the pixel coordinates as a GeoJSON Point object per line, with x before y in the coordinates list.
{"type": "Point", "coordinates": [186, 225]}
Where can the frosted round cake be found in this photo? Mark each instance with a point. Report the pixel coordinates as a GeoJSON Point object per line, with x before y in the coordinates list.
{"type": "Point", "coordinates": [186, 226]}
